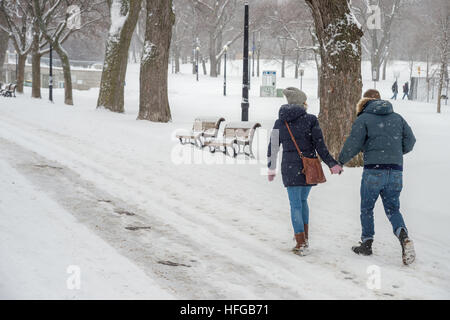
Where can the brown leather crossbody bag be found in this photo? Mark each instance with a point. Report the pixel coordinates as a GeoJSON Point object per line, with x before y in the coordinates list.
{"type": "Point", "coordinates": [312, 168]}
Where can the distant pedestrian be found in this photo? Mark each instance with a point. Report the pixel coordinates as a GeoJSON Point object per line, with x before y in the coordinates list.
{"type": "Point", "coordinates": [405, 90]}
{"type": "Point", "coordinates": [395, 90]}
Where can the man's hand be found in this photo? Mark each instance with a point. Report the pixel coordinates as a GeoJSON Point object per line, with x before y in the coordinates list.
{"type": "Point", "coordinates": [337, 169]}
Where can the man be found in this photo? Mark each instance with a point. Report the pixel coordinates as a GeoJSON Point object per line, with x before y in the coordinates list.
{"type": "Point", "coordinates": [395, 90]}
{"type": "Point", "coordinates": [405, 90]}
{"type": "Point", "coordinates": [384, 137]}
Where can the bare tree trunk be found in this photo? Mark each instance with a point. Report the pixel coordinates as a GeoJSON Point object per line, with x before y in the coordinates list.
{"type": "Point", "coordinates": [36, 66]}
{"type": "Point", "coordinates": [385, 67]}
{"type": "Point", "coordinates": [297, 62]}
{"type": "Point", "coordinates": [283, 65]}
{"type": "Point", "coordinates": [4, 37]}
{"type": "Point", "coordinates": [68, 97]}
{"type": "Point", "coordinates": [21, 60]}
{"type": "Point", "coordinates": [111, 95]}
{"type": "Point", "coordinates": [441, 84]}
{"type": "Point", "coordinates": [340, 79]}
{"type": "Point", "coordinates": [204, 66]}
{"type": "Point", "coordinates": [212, 57]}
{"type": "Point", "coordinates": [177, 60]}
{"type": "Point", "coordinates": [154, 100]}
{"type": "Point", "coordinates": [319, 68]}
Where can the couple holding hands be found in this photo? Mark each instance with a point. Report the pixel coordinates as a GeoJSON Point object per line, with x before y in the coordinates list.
{"type": "Point", "coordinates": [380, 133]}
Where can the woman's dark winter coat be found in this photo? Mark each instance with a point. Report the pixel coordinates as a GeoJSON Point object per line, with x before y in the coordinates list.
{"type": "Point", "coordinates": [306, 130]}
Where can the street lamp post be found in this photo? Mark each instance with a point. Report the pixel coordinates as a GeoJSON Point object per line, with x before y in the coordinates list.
{"type": "Point", "coordinates": [253, 55]}
{"type": "Point", "coordinates": [225, 71]}
{"type": "Point", "coordinates": [249, 72]}
{"type": "Point", "coordinates": [245, 104]}
{"type": "Point", "coordinates": [197, 50]}
{"type": "Point", "coordinates": [50, 76]}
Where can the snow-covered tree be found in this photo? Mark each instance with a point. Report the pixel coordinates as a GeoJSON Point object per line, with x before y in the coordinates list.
{"type": "Point", "coordinates": [4, 36]}
{"type": "Point", "coordinates": [16, 23]}
{"type": "Point", "coordinates": [443, 47]}
{"type": "Point", "coordinates": [339, 36]}
{"type": "Point", "coordinates": [124, 15]}
{"type": "Point", "coordinates": [52, 18]}
{"type": "Point", "coordinates": [154, 100]}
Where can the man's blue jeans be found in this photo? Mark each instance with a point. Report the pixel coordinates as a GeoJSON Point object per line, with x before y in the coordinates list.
{"type": "Point", "coordinates": [298, 199]}
{"type": "Point", "coordinates": [385, 183]}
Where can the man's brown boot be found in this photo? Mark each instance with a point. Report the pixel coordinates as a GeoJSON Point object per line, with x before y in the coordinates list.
{"type": "Point", "coordinates": [301, 242]}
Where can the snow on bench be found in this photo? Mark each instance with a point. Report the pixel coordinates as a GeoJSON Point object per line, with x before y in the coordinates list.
{"type": "Point", "coordinates": [236, 137]}
{"type": "Point", "coordinates": [204, 129]}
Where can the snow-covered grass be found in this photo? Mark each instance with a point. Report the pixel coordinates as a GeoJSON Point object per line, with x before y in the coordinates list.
{"type": "Point", "coordinates": [224, 223]}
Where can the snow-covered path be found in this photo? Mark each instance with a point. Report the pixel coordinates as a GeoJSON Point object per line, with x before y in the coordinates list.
{"type": "Point", "coordinates": [226, 227]}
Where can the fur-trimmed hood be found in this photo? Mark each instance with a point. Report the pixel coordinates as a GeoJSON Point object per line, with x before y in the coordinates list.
{"type": "Point", "coordinates": [375, 106]}
{"type": "Point", "coordinates": [361, 104]}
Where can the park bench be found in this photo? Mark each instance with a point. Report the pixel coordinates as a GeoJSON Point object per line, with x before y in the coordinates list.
{"type": "Point", "coordinates": [204, 129]}
{"type": "Point", "coordinates": [237, 139]}
{"type": "Point", "coordinates": [9, 90]}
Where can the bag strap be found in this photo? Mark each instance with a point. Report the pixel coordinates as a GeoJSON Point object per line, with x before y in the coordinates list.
{"type": "Point", "coordinates": [293, 140]}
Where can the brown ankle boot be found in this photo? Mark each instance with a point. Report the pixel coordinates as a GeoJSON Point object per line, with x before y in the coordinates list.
{"type": "Point", "coordinates": [301, 243]}
{"type": "Point", "coordinates": [306, 235]}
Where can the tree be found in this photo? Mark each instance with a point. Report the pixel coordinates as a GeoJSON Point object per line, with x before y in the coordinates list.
{"type": "Point", "coordinates": [52, 17]}
{"type": "Point", "coordinates": [288, 23]}
{"type": "Point", "coordinates": [339, 37]}
{"type": "Point", "coordinates": [216, 15]}
{"type": "Point", "coordinates": [377, 42]}
{"type": "Point", "coordinates": [154, 100]}
{"type": "Point", "coordinates": [37, 51]}
{"type": "Point", "coordinates": [15, 21]}
{"type": "Point", "coordinates": [4, 37]}
{"type": "Point", "coordinates": [443, 46]}
{"type": "Point", "coordinates": [181, 29]}
{"type": "Point", "coordinates": [124, 15]}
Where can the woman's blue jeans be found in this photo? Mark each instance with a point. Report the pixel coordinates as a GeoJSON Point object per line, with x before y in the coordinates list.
{"type": "Point", "coordinates": [298, 199]}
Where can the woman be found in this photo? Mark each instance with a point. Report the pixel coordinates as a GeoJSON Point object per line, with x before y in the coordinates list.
{"type": "Point", "coordinates": [308, 135]}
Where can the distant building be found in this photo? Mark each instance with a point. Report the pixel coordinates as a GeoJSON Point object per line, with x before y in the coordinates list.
{"type": "Point", "coordinates": [84, 77]}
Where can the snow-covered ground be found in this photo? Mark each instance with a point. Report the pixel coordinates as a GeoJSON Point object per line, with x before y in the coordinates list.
{"type": "Point", "coordinates": [76, 182]}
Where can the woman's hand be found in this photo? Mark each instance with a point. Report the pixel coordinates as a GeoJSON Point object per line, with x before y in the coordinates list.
{"type": "Point", "coordinates": [337, 169]}
{"type": "Point", "coordinates": [271, 175]}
